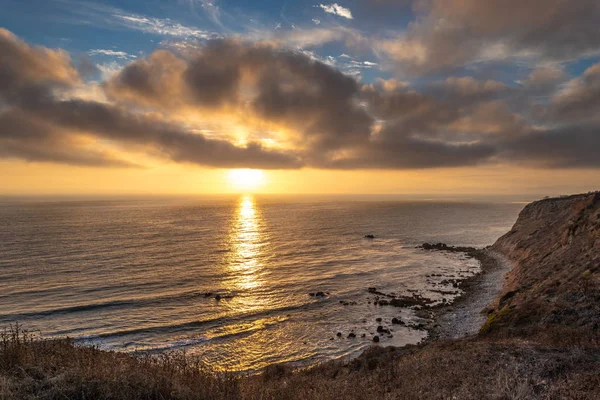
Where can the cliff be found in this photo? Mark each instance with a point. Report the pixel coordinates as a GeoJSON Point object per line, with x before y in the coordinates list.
{"type": "Point", "coordinates": [553, 290]}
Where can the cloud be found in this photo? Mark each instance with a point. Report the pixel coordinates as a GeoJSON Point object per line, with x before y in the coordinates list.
{"type": "Point", "coordinates": [240, 104]}
{"type": "Point", "coordinates": [111, 53]}
{"type": "Point", "coordinates": [162, 26]}
{"type": "Point", "coordinates": [579, 100]}
{"type": "Point", "coordinates": [336, 9]}
{"type": "Point", "coordinates": [545, 80]}
{"type": "Point", "coordinates": [39, 122]}
{"type": "Point", "coordinates": [27, 138]}
{"type": "Point", "coordinates": [448, 34]}
{"type": "Point", "coordinates": [566, 147]}
{"type": "Point", "coordinates": [316, 21]}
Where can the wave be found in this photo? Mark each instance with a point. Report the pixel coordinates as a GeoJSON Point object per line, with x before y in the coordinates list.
{"type": "Point", "coordinates": [125, 303]}
{"type": "Point", "coordinates": [187, 325]}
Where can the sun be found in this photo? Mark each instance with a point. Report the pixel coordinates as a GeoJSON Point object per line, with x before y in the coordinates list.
{"type": "Point", "coordinates": [246, 179]}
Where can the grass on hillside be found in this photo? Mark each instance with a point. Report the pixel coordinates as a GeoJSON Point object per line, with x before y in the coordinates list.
{"type": "Point", "coordinates": [31, 368]}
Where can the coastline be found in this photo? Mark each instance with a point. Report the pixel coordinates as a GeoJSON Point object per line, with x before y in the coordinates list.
{"type": "Point", "coordinates": [540, 339]}
{"type": "Point", "coordinates": [467, 313]}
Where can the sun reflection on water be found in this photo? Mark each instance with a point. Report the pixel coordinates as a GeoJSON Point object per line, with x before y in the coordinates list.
{"type": "Point", "coordinates": [246, 237]}
{"type": "Point", "coordinates": [261, 338]}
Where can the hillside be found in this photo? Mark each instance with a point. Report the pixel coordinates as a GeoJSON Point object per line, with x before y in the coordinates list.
{"type": "Point", "coordinates": [540, 340]}
{"type": "Point", "coordinates": [553, 292]}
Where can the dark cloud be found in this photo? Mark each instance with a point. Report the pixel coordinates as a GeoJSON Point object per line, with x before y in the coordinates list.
{"type": "Point", "coordinates": [155, 136]}
{"type": "Point", "coordinates": [29, 139]}
{"type": "Point", "coordinates": [286, 88]}
{"type": "Point", "coordinates": [396, 150]}
{"type": "Point", "coordinates": [568, 147]}
{"type": "Point", "coordinates": [24, 68]}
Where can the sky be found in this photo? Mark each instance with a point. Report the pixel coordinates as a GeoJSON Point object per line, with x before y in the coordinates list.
{"type": "Point", "coordinates": [440, 97]}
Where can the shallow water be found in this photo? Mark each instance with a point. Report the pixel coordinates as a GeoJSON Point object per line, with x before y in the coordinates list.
{"type": "Point", "coordinates": [133, 275]}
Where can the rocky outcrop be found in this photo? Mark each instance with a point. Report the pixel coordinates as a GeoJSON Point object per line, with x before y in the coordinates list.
{"type": "Point", "coordinates": [554, 285]}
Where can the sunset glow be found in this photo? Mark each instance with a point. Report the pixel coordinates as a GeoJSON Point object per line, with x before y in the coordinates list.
{"type": "Point", "coordinates": [246, 179]}
{"type": "Point", "coordinates": [349, 97]}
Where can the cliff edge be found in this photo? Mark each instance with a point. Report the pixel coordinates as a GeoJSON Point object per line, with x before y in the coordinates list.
{"type": "Point", "coordinates": [554, 286]}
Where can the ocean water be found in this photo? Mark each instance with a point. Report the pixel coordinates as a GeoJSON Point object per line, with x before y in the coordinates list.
{"type": "Point", "coordinates": [142, 275]}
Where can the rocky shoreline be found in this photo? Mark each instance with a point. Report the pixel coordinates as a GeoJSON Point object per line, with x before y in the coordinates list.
{"type": "Point", "coordinates": [467, 313]}
{"type": "Point", "coordinates": [462, 316]}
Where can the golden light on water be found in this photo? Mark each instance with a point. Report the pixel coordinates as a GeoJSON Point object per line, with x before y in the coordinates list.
{"type": "Point", "coordinates": [246, 179]}
{"type": "Point", "coordinates": [248, 277]}
{"type": "Point", "coordinates": [245, 237]}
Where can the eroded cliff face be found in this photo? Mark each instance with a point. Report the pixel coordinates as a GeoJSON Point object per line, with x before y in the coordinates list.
{"type": "Point", "coordinates": [554, 285]}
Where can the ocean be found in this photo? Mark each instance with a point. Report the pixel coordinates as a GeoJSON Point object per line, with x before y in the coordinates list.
{"type": "Point", "coordinates": [229, 279]}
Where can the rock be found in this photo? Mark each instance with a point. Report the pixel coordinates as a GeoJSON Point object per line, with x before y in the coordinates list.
{"type": "Point", "coordinates": [471, 251]}
{"type": "Point", "coordinates": [375, 339]}
{"type": "Point", "coordinates": [378, 319]}
{"type": "Point", "coordinates": [339, 334]}
{"type": "Point", "coordinates": [320, 294]}
{"type": "Point", "coordinates": [369, 237]}
{"type": "Point", "coordinates": [409, 301]}
{"type": "Point", "coordinates": [311, 294]}
{"type": "Point", "coordinates": [363, 335]}
{"type": "Point", "coordinates": [218, 297]}
{"type": "Point", "coordinates": [381, 329]}
{"type": "Point", "coordinates": [397, 321]}
{"type": "Point", "coordinates": [372, 289]}
{"type": "Point", "coordinates": [208, 294]}
{"type": "Point", "coordinates": [351, 335]}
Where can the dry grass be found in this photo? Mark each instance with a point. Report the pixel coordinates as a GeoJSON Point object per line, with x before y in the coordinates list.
{"type": "Point", "coordinates": [460, 369]}
{"type": "Point", "coordinates": [58, 369]}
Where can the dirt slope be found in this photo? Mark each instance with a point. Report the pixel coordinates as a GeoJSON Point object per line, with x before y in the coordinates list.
{"type": "Point", "coordinates": [554, 287]}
